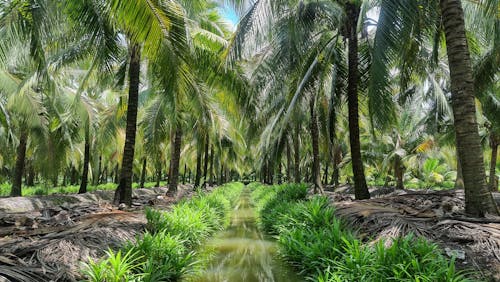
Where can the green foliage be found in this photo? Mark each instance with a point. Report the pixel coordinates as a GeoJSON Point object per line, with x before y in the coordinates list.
{"type": "Point", "coordinates": [163, 256]}
{"type": "Point", "coordinates": [166, 251]}
{"type": "Point", "coordinates": [114, 268]}
{"type": "Point", "coordinates": [406, 259]}
{"type": "Point", "coordinates": [41, 190]}
{"type": "Point", "coordinates": [322, 248]}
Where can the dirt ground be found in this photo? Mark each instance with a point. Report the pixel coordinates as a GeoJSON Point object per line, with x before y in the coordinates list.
{"type": "Point", "coordinates": [436, 215]}
{"type": "Point", "coordinates": [48, 238]}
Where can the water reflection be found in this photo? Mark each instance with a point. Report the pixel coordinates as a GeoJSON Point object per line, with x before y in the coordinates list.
{"type": "Point", "coordinates": [242, 252]}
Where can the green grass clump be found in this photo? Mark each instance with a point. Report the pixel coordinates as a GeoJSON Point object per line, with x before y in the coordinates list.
{"type": "Point", "coordinates": [322, 248]}
{"type": "Point", "coordinates": [114, 268]}
{"type": "Point", "coordinates": [166, 251]}
{"type": "Point", "coordinates": [163, 257]}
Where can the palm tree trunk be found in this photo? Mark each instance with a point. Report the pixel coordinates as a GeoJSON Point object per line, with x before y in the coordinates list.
{"type": "Point", "coordinates": [288, 163]}
{"type": "Point", "coordinates": [221, 179]}
{"type": "Point", "coordinates": [325, 180]}
{"type": "Point", "coordinates": [175, 161]}
{"type": "Point", "coordinates": [96, 180]}
{"type": "Point", "coordinates": [337, 158]}
{"type": "Point", "coordinates": [360, 187]}
{"type": "Point", "coordinates": [316, 170]}
{"type": "Point", "coordinates": [459, 181]}
{"type": "Point", "coordinates": [19, 168]}
{"type": "Point", "coordinates": [280, 168]}
{"type": "Point", "coordinates": [211, 181]}
{"type": "Point", "coordinates": [143, 173]}
{"type": "Point", "coordinates": [478, 199]}
{"type": "Point", "coordinates": [123, 192]}
{"type": "Point", "coordinates": [117, 174]}
{"type": "Point", "coordinates": [296, 151]}
{"type": "Point", "coordinates": [399, 172]}
{"type": "Point", "coordinates": [205, 162]}
{"type": "Point", "coordinates": [158, 174]}
{"type": "Point", "coordinates": [184, 174]}
{"type": "Point", "coordinates": [30, 181]}
{"type": "Point", "coordinates": [493, 163]}
{"type": "Point", "coordinates": [74, 175]}
{"type": "Point", "coordinates": [197, 178]}
{"type": "Point", "coordinates": [86, 161]}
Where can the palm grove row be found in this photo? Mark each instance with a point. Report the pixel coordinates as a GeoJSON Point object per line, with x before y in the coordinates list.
{"type": "Point", "coordinates": [383, 91]}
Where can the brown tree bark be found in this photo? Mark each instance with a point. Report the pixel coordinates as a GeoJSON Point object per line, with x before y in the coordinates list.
{"type": "Point", "coordinates": [19, 168]}
{"type": "Point", "coordinates": [197, 177]}
{"type": "Point", "coordinates": [316, 170]}
{"type": "Point", "coordinates": [97, 178]}
{"type": "Point", "coordinates": [296, 151]}
{"type": "Point", "coordinates": [478, 199]}
{"type": "Point", "coordinates": [158, 173]}
{"type": "Point", "coordinates": [205, 161]}
{"type": "Point", "coordinates": [143, 172]}
{"type": "Point", "coordinates": [86, 160]}
{"type": "Point", "coordinates": [399, 172]}
{"type": "Point", "coordinates": [175, 161]}
{"type": "Point", "coordinates": [494, 140]}
{"type": "Point", "coordinates": [459, 181]}
{"type": "Point", "coordinates": [211, 181]}
{"type": "Point", "coordinates": [360, 187]}
{"type": "Point", "coordinates": [123, 193]}
{"type": "Point", "coordinates": [288, 162]}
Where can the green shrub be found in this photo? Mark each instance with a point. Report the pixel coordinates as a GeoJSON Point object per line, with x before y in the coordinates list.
{"type": "Point", "coordinates": [322, 248]}
{"type": "Point", "coordinates": [114, 268]}
{"type": "Point", "coordinates": [163, 257]}
{"type": "Point", "coordinates": [165, 252]}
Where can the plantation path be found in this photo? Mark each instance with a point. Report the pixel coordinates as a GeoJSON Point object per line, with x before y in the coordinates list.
{"type": "Point", "coordinates": [243, 253]}
{"type": "Point", "coordinates": [436, 215]}
{"type": "Point", "coordinates": [46, 238]}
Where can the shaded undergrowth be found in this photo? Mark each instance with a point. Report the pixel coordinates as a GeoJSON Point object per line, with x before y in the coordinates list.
{"type": "Point", "coordinates": [323, 248]}
{"type": "Point", "coordinates": [166, 251]}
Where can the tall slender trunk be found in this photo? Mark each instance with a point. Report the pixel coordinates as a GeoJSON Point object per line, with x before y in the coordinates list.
{"type": "Point", "coordinates": [117, 174]}
{"type": "Point", "coordinates": [280, 180]}
{"type": "Point", "coordinates": [360, 187]}
{"type": "Point", "coordinates": [30, 177]}
{"type": "Point", "coordinates": [459, 181]}
{"type": "Point", "coordinates": [96, 180]}
{"type": "Point", "coordinates": [270, 171]}
{"type": "Point", "coordinates": [158, 173]}
{"type": "Point", "coordinates": [19, 168]}
{"type": "Point", "coordinates": [86, 161]}
{"type": "Point", "coordinates": [326, 173]}
{"type": "Point", "coordinates": [174, 162]}
{"type": "Point", "coordinates": [221, 179]}
{"type": "Point", "coordinates": [478, 199]}
{"type": "Point", "coordinates": [197, 178]}
{"type": "Point", "coordinates": [337, 158]}
{"type": "Point", "coordinates": [399, 172]}
{"type": "Point", "coordinates": [184, 174]}
{"type": "Point", "coordinates": [493, 162]}
{"type": "Point", "coordinates": [123, 192]}
{"type": "Point", "coordinates": [143, 173]}
{"type": "Point", "coordinates": [65, 177]}
{"type": "Point", "coordinates": [288, 163]}
{"type": "Point", "coordinates": [74, 175]}
{"type": "Point", "coordinates": [211, 181]}
{"type": "Point", "coordinates": [316, 173]}
{"type": "Point", "coordinates": [205, 162]}
{"type": "Point", "coordinates": [296, 151]}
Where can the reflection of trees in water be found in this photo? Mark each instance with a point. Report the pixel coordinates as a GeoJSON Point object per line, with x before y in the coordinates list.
{"type": "Point", "coordinates": [243, 254]}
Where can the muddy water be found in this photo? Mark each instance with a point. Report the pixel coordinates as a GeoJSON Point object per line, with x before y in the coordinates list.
{"type": "Point", "coordinates": [243, 254]}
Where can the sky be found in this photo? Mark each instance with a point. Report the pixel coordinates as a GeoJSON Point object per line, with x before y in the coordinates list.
{"type": "Point", "coordinates": [231, 16]}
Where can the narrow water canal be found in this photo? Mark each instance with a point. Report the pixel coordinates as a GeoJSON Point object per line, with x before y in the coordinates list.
{"type": "Point", "coordinates": [243, 254]}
